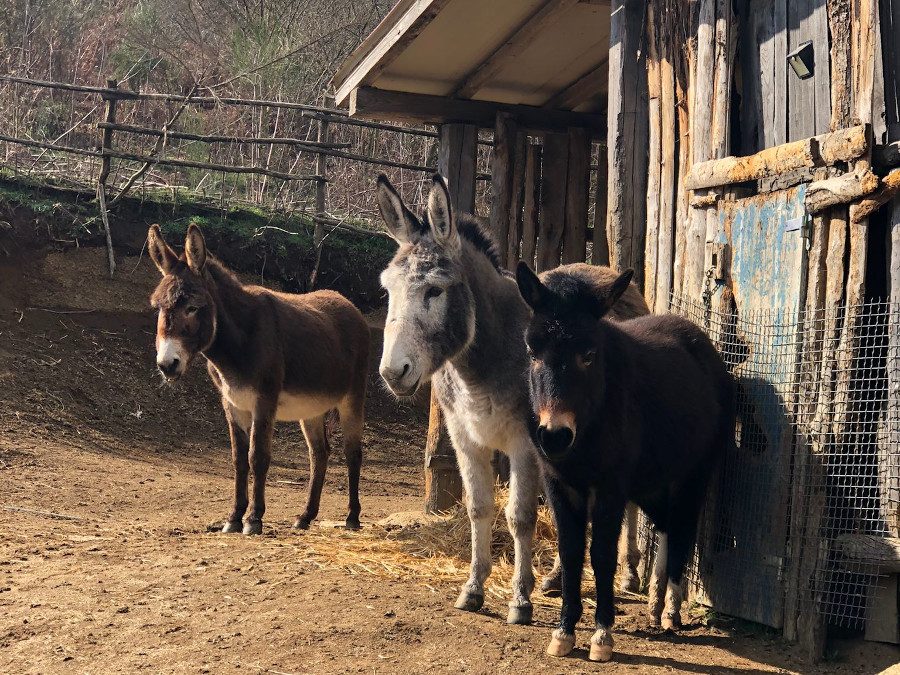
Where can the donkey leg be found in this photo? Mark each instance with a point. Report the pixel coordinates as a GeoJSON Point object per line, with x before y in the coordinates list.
{"type": "Point", "coordinates": [260, 458]}
{"type": "Point", "coordinates": [521, 517]}
{"type": "Point", "coordinates": [685, 511]}
{"type": "Point", "coordinates": [607, 525]}
{"type": "Point", "coordinates": [658, 577]}
{"type": "Point", "coordinates": [477, 477]}
{"type": "Point", "coordinates": [238, 424]}
{"type": "Point", "coordinates": [317, 442]}
{"type": "Point", "coordinates": [629, 553]}
{"type": "Point", "coordinates": [570, 513]}
{"type": "Point", "coordinates": [352, 424]}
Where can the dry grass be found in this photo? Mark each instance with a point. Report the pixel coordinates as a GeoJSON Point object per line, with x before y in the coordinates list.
{"type": "Point", "coordinates": [434, 549]}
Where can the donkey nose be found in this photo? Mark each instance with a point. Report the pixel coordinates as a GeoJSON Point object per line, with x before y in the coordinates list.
{"type": "Point", "coordinates": [395, 374]}
{"type": "Point", "coordinates": [554, 441]}
{"type": "Point", "coordinates": [169, 368]}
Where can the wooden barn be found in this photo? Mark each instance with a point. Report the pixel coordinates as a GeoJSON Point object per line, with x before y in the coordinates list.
{"type": "Point", "coordinates": [742, 157]}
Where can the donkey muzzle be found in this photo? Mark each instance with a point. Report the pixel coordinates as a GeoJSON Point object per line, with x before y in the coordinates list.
{"type": "Point", "coordinates": [555, 433]}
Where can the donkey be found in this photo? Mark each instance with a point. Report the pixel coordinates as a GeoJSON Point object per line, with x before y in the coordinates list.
{"type": "Point", "coordinates": [456, 318]}
{"type": "Point", "coordinates": [272, 356]}
{"type": "Point", "coordinates": [634, 411]}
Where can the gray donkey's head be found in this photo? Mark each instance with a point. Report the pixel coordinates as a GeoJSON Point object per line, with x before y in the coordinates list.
{"type": "Point", "coordinates": [431, 311]}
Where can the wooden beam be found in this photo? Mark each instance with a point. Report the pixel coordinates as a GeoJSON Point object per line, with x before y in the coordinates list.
{"type": "Point", "coordinates": [822, 150]}
{"type": "Point", "coordinates": [600, 249]}
{"type": "Point", "coordinates": [516, 205]}
{"type": "Point", "coordinates": [668, 49]}
{"type": "Point", "coordinates": [514, 45]}
{"type": "Point", "coordinates": [456, 163]}
{"type": "Point", "coordinates": [839, 189]}
{"type": "Point", "coordinates": [581, 90]}
{"type": "Point", "coordinates": [397, 30]}
{"type": "Point", "coordinates": [890, 188]}
{"type": "Point", "coordinates": [371, 103]}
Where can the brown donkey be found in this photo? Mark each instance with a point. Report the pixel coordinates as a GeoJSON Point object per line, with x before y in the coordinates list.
{"type": "Point", "coordinates": [272, 356]}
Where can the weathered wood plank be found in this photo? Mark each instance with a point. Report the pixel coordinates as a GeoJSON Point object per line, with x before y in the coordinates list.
{"type": "Point", "coordinates": [874, 549]}
{"type": "Point", "coordinates": [626, 134]}
{"type": "Point", "coordinates": [530, 210]}
{"type": "Point", "coordinates": [822, 150]}
{"type": "Point", "coordinates": [667, 187]}
{"type": "Point", "coordinates": [839, 26]}
{"type": "Point", "coordinates": [600, 249]}
{"type": "Point", "coordinates": [554, 176]}
{"type": "Point", "coordinates": [516, 43]}
{"type": "Point", "coordinates": [654, 158]}
{"type": "Point", "coordinates": [840, 189]}
{"type": "Point", "coordinates": [456, 162]}
{"type": "Point", "coordinates": [516, 203]}
{"type": "Point", "coordinates": [578, 183]}
{"type": "Point", "coordinates": [505, 134]}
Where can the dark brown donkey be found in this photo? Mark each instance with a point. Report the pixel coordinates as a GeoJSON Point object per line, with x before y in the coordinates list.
{"type": "Point", "coordinates": [272, 356]}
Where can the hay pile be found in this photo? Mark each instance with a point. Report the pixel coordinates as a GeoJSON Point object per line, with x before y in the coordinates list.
{"type": "Point", "coordinates": [434, 550]}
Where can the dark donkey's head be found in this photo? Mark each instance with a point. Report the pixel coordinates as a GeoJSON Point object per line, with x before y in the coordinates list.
{"type": "Point", "coordinates": [187, 312]}
{"type": "Point", "coordinates": [567, 353]}
{"type": "Point", "coordinates": [431, 313]}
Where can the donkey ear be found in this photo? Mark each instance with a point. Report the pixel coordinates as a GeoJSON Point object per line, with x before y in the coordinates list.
{"type": "Point", "coordinates": [401, 223]}
{"type": "Point", "coordinates": [195, 249]}
{"type": "Point", "coordinates": [161, 253]}
{"type": "Point", "coordinates": [533, 291]}
{"type": "Point", "coordinates": [613, 293]}
{"type": "Point", "coordinates": [440, 213]}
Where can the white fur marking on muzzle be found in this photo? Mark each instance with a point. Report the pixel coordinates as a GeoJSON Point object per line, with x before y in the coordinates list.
{"type": "Point", "coordinates": [168, 351]}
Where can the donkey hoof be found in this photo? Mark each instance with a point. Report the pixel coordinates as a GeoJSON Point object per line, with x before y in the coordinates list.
{"type": "Point", "coordinates": [469, 602]}
{"type": "Point", "coordinates": [301, 524]}
{"type": "Point", "coordinates": [600, 652]}
{"type": "Point", "coordinates": [551, 586]}
{"type": "Point", "coordinates": [352, 523]}
{"type": "Point", "coordinates": [232, 526]}
{"type": "Point", "coordinates": [629, 584]}
{"type": "Point", "coordinates": [253, 527]}
{"type": "Point", "coordinates": [654, 621]}
{"type": "Point", "coordinates": [561, 644]}
{"type": "Point", "coordinates": [520, 616]}
{"type": "Point", "coordinates": [671, 622]}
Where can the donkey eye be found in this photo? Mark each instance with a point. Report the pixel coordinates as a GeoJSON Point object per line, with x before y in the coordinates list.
{"type": "Point", "coordinates": [433, 292]}
{"type": "Point", "coordinates": [191, 310]}
{"type": "Point", "coordinates": [588, 357]}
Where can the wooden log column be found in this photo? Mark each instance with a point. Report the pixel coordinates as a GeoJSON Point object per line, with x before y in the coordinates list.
{"type": "Point", "coordinates": [456, 162]}
{"type": "Point", "coordinates": [627, 137]}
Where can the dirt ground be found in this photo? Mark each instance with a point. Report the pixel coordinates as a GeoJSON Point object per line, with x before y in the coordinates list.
{"type": "Point", "coordinates": [111, 483]}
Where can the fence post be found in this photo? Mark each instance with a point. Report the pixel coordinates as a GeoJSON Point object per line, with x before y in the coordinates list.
{"type": "Point", "coordinates": [105, 161]}
{"type": "Point", "coordinates": [323, 136]}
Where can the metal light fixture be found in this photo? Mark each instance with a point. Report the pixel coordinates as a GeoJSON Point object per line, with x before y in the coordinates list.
{"type": "Point", "coordinates": [802, 61]}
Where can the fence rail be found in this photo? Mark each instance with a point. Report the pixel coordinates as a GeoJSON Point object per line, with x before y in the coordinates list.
{"type": "Point", "coordinates": [327, 130]}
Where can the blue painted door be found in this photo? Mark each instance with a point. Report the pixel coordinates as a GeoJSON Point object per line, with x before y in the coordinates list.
{"type": "Point", "coordinates": [742, 564]}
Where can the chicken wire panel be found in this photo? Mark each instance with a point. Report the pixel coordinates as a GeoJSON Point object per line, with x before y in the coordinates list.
{"type": "Point", "coordinates": [805, 500]}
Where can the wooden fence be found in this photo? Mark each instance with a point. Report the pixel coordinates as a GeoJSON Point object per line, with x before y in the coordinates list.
{"type": "Point", "coordinates": [108, 138]}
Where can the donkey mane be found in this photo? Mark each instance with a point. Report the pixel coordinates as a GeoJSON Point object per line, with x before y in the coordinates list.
{"type": "Point", "coordinates": [475, 230]}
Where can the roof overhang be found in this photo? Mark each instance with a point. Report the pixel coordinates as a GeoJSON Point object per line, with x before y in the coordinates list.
{"type": "Point", "coordinates": [529, 56]}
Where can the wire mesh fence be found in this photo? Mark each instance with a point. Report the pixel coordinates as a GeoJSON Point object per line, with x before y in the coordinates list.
{"type": "Point", "coordinates": [805, 507]}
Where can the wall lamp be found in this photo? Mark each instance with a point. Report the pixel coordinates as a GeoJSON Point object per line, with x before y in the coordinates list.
{"type": "Point", "coordinates": [802, 61]}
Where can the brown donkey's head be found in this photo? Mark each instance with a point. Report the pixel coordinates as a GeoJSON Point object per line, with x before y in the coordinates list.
{"type": "Point", "coordinates": [567, 354]}
{"type": "Point", "coordinates": [187, 312]}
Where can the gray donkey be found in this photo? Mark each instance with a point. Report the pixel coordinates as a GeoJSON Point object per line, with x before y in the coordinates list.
{"type": "Point", "coordinates": [456, 317]}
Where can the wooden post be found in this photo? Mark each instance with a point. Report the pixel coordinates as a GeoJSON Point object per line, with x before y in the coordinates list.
{"type": "Point", "coordinates": [578, 184]}
{"type": "Point", "coordinates": [701, 144]}
{"type": "Point", "coordinates": [505, 134]}
{"type": "Point", "coordinates": [516, 206]}
{"type": "Point", "coordinates": [654, 158]}
{"type": "Point", "coordinates": [600, 251]}
{"type": "Point", "coordinates": [627, 137]}
{"type": "Point", "coordinates": [456, 162]}
{"type": "Point", "coordinates": [667, 190]}
{"type": "Point", "coordinates": [530, 209]}
{"type": "Point", "coordinates": [321, 196]}
{"type": "Point", "coordinates": [105, 166]}
{"type": "Point", "coordinates": [553, 200]}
